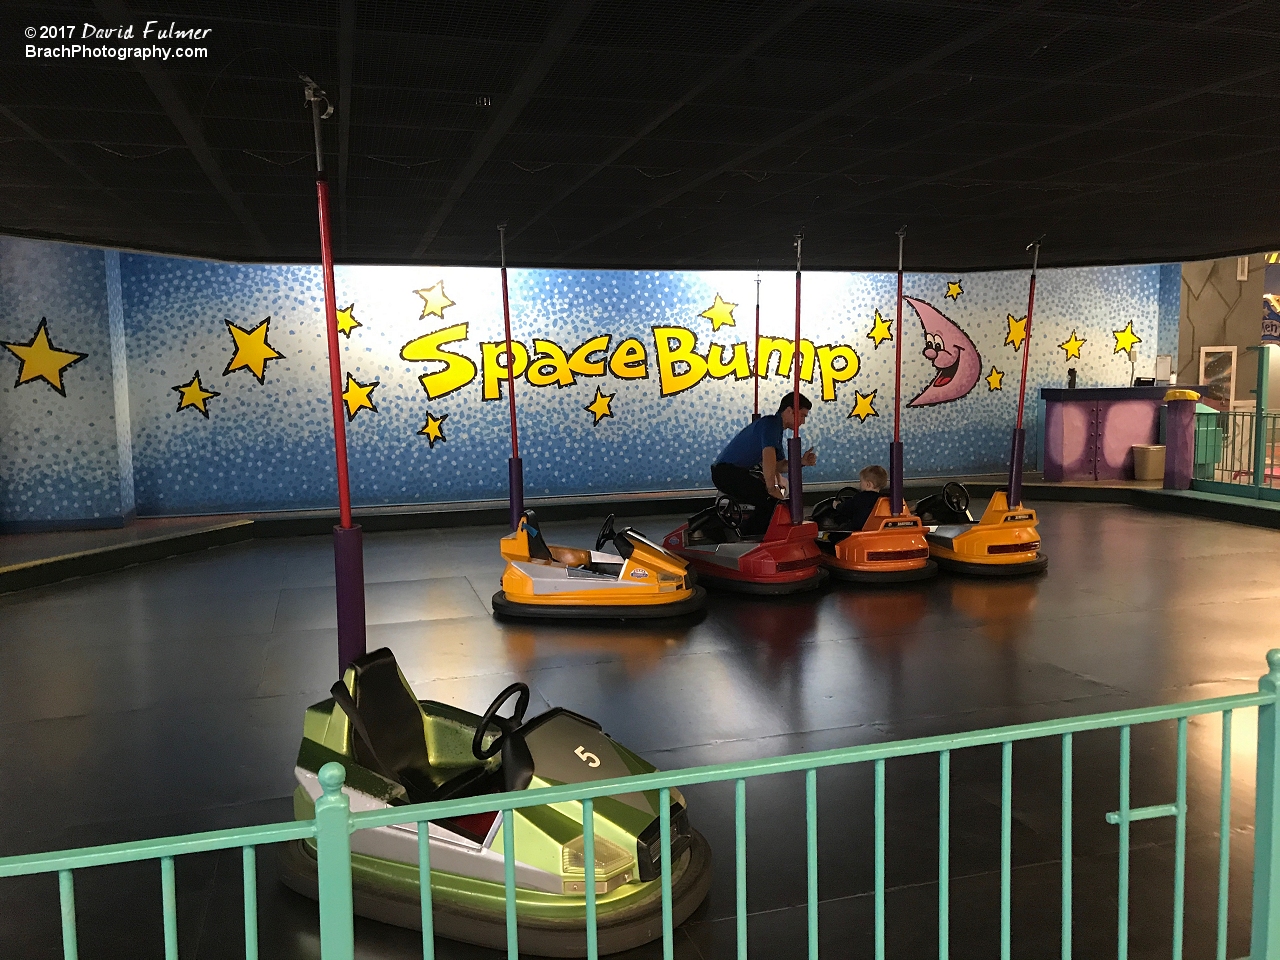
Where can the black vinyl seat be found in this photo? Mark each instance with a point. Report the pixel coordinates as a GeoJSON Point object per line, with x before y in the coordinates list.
{"type": "Point", "coordinates": [388, 735]}
{"type": "Point", "coordinates": [538, 548]}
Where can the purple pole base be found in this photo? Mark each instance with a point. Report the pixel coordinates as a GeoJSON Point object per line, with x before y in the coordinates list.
{"type": "Point", "coordinates": [895, 477]}
{"type": "Point", "coordinates": [793, 480]}
{"type": "Point", "coordinates": [1015, 468]}
{"type": "Point", "coordinates": [515, 479]}
{"type": "Point", "coordinates": [1179, 444]}
{"type": "Point", "coordinates": [348, 562]}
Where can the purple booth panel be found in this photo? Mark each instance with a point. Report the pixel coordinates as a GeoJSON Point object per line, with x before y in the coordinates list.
{"type": "Point", "coordinates": [1121, 424]}
{"type": "Point", "coordinates": [1069, 441]}
{"type": "Point", "coordinates": [1179, 444]}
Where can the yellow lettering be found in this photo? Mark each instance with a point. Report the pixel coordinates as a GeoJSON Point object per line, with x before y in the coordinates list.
{"type": "Point", "coordinates": [581, 361]}
{"type": "Point", "coordinates": [832, 374]}
{"type": "Point", "coordinates": [549, 365]}
{"type": "Point", "coordinates": [629, 361]}
{"type": "Point", "coordinates": [493, 363]}
{"type": "Point", "coordinates": [786, 351]}
{"type": "Point", "coordinates": [675, 347]}
{"type": "Point", "coordinates": [739, 363]}
{"type": "Point", "coordinates": [459, 370]}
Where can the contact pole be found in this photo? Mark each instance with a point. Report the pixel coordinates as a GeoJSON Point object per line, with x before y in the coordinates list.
{"type": "Point", "coordinates": [755, 406]}
{"type": "Point", "coordinates": [348, 548]}
{"type": "Point", "coordinates": [515, 469]}
{"type": "Point", "coordinates": [793, 447]}
{"type": "Point", "coordinates": [895, 448]}
{"type": "Point", "coordinates": [1020, 435]}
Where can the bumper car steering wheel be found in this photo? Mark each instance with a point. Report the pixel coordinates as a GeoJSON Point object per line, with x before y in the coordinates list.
{"type": "Point", "coordinates": [505, 725]}
{"type": "Point", "coordinates": [730, 512]}
{"type": "Point", "coordinates": [956, 497]}
{"type": "Point", "coordinates": [607, 533]}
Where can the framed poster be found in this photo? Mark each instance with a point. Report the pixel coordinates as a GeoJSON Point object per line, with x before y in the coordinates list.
{"type": "Point", "coordinates": [1218, 376]}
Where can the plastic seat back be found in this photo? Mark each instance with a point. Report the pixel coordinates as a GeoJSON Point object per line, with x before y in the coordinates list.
{"type": "Point", "coordinates": [538, 549]}
{"type": "Point", "coordinates": [392, 720]}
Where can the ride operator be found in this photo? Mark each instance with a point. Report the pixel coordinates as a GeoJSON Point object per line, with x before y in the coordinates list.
{"type": "Point", "coordinates": [760, 444]}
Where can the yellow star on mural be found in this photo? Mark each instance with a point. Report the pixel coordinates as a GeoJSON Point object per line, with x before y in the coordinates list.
{"type": "Point", "coordinates": [995, 379]}
{"type": "Point", "coordinates": [252, 349]}
{"type": "Point", "coordinates": [1126, 339]}
{"type": "Point", "coordinates": [600, 406]}
{"type": "Point", "coordinates": [1017, 332]}
{"type": "Point", "coordinates": [720, 314]}
{"type": "Point", "coordinates": [434, 300]}
{"type": "Point", "coordinates": [880, 331]}
{"type": "Point", "coordinates": [41, 360]}
{"type": "Point", "coordinates": [433, 429]}
{"type": "Point", "coordinates": [194, 395]}
{"type": "Point", "coordinates": [953, 289]}
{"type": "Point", "coordinates": [347, 321]}
{"type": "Point", "coordinates": [862, 408]}
{"type": "Point", "coordinates": [356, 397]}
{"type": "Point", "coordinates": [1072, 346]}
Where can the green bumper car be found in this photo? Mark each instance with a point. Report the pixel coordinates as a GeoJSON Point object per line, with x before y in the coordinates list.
{"type": "Point", "coordinates": [398, 750]}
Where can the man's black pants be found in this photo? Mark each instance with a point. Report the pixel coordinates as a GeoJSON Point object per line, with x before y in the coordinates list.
{"type": "Point", "coordinates": [742, 485]}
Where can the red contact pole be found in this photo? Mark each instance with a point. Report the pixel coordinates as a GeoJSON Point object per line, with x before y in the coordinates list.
{"type": "Point", "coordinates": [1020, 435]}
{"type": "Point", "coordinates": [895, 448]}
{"type": "Point", "coordinates": [348, 548]}
{"type": "Point", "coordinates": [515, 468]}
{"type": "Point", "coordinates": [755, 406]}
{"type": "Point", "coordinates": [793, 447]}
{"type": "Point", "coordinates": [335, 360]}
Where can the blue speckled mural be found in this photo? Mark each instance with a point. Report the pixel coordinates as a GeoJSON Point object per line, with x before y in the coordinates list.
{"type": "Point", "coordinates": [1170, 310]}
{"type": "Point", "coordinates": [626, 380]}
{"type": "Point", "coordinates": [59, 459]}
{"type": "Point", "coordinates": [629, 380]}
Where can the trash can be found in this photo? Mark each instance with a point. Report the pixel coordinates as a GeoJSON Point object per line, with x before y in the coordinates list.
{"type": "Point", "coordinates": [1210, 436]}
{"type": "Point", "coordinates": [1148, 461]}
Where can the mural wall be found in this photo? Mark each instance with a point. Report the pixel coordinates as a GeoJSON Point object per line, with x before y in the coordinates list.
{"type": "Point", "coordinates": [59, 456]}
{"type": "Point", "coordinates": [625, 381]}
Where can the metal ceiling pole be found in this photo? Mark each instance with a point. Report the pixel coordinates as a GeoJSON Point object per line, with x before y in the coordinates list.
{"type": "Point", "coordinates": [755, 407]}
{"type": "Point", "coordinates": [348, 548]}
{"type": "Point", "coordinates": [515, 469]}
{"type": "Point", "coordinates": [895, 448]}
{"type": "Point", "coordinates": [793, 446]}
{"type": "Point", "coordinates": [1020, 435]}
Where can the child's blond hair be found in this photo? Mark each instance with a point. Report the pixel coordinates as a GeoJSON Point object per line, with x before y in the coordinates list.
{"type": "Point", "coordinates": [875, 476]}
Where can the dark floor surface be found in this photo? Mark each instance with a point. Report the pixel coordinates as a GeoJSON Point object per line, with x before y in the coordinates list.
{"type": "Point", "coordinates": [168, 697]}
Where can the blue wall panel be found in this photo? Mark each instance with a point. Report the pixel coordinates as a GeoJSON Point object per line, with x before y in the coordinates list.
{"type": "Point", "coordinates": [215, 426]}
{"type": "Point", "coordinates": [59, 462]}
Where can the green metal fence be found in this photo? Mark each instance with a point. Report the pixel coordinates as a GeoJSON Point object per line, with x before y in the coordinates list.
{"type": "Point", "coordinates": [334, 823]}
{"type": "Point", "coordinates": [1236, 451]}
{"type": "Point", "coordinates": [1238, 448]}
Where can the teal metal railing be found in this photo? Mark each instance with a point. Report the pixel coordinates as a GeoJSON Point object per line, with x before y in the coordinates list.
{"type": "Point", "coordinates": [1239, 449]}
{"type": "Point", "coordinates": [334, 823]}
{"type": "Point", "coordinates": [1236, 452]}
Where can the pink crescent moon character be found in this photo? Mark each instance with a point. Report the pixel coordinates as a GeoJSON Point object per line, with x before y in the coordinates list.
{"type": "Point", "coordinates": [952, 353]}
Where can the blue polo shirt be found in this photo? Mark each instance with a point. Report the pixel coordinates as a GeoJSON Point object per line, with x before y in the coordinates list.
{"type": "Point", "coordinates": [746, 448]}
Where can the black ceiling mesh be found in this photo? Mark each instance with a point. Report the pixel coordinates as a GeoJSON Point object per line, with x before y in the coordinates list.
{"type": "Point", "coordinates": [629, 133]}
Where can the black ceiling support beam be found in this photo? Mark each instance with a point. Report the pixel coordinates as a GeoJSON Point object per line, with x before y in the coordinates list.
{"type": "Point", "coordinates": [1004, 106]}
{"type": "Point", "coordinates": [83, 174]}
{"type": "Point", "coordinates": [346, 56]}
{"type": "Point", "coordinates": [789, 16]}
{"type": "Point", "coordinates": [167, 95]}
{"type": "Point", "coordinates": [1247, 77]}
{"type": "Point", "coordinates": [558, 36]}
{"type": "Point", "coordinates": [35, 135]}
{"type": "Point", "coordinates": [818, 118]}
